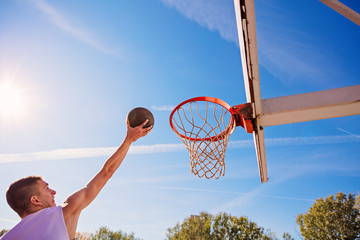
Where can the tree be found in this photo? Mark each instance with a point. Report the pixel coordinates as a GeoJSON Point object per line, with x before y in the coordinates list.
{"type": "Point", "coordinates": [2, 232]}
{"type": "Point", "coordinates": [230, 227]}
{"type": "Point", "coordinates": [219, 227]}
{"type": "Point", "coordinates": [105, 233]}
{"type": "Point", "coordinates": [82, 236]}
{"type": "Point", "coordinates": [192, 228]}
{"type": "Point", "coordinates": [287, 236]}
{"type": "Point", "coordinates": [331, 218]}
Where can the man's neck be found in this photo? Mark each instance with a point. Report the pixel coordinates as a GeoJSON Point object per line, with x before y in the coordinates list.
{"type": "Point", "coordinates": [33, 210]}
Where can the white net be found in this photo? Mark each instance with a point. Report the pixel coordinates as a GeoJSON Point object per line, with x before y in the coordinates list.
{"type": "Point", "coordinates": [204, 127]}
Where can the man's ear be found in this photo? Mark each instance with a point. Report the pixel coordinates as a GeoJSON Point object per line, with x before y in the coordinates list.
{"type": "Point", "coordinates": [34, 200]}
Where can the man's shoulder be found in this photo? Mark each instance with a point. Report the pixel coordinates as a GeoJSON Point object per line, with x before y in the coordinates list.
{"type": "Point", "coordinates": [42, 212]}
{"type": "Point", "coordinates": [39, 224]}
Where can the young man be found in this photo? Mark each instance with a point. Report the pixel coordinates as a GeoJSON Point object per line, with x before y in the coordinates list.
{"type": "Point", "coordinates": [34, 201]}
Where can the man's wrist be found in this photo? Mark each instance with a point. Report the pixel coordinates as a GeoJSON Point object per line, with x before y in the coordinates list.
{"type": "Point", "coordinates": [128, 140]}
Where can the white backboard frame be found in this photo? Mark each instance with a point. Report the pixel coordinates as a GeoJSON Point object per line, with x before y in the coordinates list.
{"type": "Point", "coordinates": [332, 103]}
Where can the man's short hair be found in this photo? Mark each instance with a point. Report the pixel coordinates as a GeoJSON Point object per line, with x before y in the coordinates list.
{"type": "Point", "coordinates": [19, 193]}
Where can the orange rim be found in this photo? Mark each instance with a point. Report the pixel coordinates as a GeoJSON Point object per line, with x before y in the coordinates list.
{"type": "Point", "coordinates": [220, 136]}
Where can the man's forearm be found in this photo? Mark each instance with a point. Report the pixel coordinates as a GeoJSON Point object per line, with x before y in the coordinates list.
{"type": "Point", "coordinates": [82, 198]}
{"type": "Point", "coordinates": [114, 162]}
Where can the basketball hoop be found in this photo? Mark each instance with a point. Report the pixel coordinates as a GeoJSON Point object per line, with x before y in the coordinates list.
{"type": "Point", "coordinates": [204, 125]}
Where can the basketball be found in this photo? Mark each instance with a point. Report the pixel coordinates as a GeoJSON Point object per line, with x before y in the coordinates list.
{"type": "Point", "coordinates": [138, 115]}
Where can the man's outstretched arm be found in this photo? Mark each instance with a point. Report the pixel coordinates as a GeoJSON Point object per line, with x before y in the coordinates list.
{"type": "Point", "coordinates": [82, 198]}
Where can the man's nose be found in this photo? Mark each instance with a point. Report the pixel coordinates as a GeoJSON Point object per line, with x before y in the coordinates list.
{"type": "Point", "coordinates": [53, 192]}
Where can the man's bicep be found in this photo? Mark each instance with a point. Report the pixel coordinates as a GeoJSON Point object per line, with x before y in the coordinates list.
{"type": "Point", "coordinates": [82, 198]}
{"type": "Point", "coordinates": [74, 202]}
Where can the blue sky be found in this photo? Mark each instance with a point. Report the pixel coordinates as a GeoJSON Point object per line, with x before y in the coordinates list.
{"type": "Point", "coordinates": [80, 67]}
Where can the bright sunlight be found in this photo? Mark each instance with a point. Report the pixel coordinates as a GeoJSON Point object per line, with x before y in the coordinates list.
{"type": "Point", "coordinates": [12, 100]}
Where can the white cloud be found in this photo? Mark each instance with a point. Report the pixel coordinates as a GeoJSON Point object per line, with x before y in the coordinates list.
{"type": "Point", "coordinates": [293, 56]}
{"type": "Point", "coordinates": [309, 140]}
{"type": "Point", "coordinates": [213, 14]}
{"type": "Point", "coordinates": [57, 154]}
{"type": "Point", "coordinates": [64, 24]}
{"type": "Point", "coordinates": [74, 153]}
{"type": "Point", "coordinates": [290, 53]}
{"type": "Point", "coordinates": [157, 148]}
{"type": "Point", "coordinates": [272, 142]}
{"type": "Point", "coordinates": [284, 52]}
{"type": "Point", "coordinates": [8, 220]}
{"type": "Point", "coordinates": [163, 108]}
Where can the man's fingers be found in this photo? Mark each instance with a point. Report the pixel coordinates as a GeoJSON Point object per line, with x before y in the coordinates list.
{"type": "Point", "coordinates": [144, 123]}
{"type": "Point", "coordinates": [136, 132]}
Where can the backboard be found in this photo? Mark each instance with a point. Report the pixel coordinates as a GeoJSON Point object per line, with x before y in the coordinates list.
{"type": "Point", "coordinates": [245, 19]}
{"type": "Point", "coordinates": [258, 113]}
{"type": "Point", "coordinates": [325, 104]}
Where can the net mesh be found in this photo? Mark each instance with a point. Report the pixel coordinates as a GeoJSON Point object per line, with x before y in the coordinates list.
{"type": "Point", "coordinates": [204, 128]}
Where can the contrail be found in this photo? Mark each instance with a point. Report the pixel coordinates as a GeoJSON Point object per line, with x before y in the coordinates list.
{"type": "Point", "coordinates": [8, 220]}
{"type": "Point", "coordinates": [357, 136]}
{"type": "Point", "coordinates": [75, 153]}
{"type": "Point", "coordinates": [235, 193]}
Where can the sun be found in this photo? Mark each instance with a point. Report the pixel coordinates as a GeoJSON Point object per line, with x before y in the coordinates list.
{"type": "Point", "coordinates": [12, 100]}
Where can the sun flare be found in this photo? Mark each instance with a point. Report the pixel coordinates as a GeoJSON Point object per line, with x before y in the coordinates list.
{"type": "Point", "coordinates": [12, 101]}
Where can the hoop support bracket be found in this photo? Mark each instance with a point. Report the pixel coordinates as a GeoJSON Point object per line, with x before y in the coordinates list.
{"type": "Point", "coordinates": [243, 115]}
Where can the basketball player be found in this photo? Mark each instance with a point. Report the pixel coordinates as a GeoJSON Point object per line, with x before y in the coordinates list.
{"type": "Point", "coordinates": [33, 200]}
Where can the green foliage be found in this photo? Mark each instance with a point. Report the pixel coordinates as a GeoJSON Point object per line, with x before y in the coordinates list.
{"type": "Point", "coordinates": [287, 236]}
{"type": "Point", "coordinates": [331, 218]}
{"type": "Point", "coordinates": [193, 228]}
{"type": "Point", "coordinates": [2, 232]}
{"type": "Point", "coordinates": [219, 227]}
{"type": "Point", "coordinates": [105, 233]}
{"type": "Point", "coordinates": [230, 227]}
